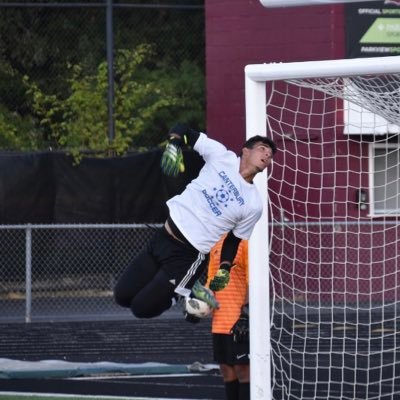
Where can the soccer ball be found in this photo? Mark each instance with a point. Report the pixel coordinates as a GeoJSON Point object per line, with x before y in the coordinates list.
{"type": "Point", "coordinates": [196, 307]}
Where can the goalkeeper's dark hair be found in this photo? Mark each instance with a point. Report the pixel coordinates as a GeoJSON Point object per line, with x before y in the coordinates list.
{"type": "Point", "coordinates": [250, 143]}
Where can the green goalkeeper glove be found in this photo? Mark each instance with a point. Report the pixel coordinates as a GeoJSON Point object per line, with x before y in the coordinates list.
{"type": "Point", "coordinates": [202, 293]}
{"type": "Point", "coordinates": [220, 280]}
{"type": "Point", "coordinates": [172, 158]}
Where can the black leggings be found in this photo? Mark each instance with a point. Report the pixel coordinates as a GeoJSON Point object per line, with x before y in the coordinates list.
{"type": "Point", "coordinates": [147, 286]}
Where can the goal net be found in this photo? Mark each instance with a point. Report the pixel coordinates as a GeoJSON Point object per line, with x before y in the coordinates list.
{"type": "Point", "coordinates": [331, 317]}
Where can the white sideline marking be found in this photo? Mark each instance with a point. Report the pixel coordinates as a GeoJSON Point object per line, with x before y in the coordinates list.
{"type": "Point", "coordinates": [124, 376]}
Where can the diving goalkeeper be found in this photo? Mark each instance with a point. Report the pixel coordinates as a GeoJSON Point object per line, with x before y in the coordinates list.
{"type": "Point", "coordinates": [221, 200]}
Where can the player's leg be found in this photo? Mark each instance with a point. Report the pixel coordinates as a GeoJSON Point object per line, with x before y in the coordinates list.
{"type": "Point", "coordinates": [179, 269]}
{"type": "Point", "coordinates": [231, 383]}
{"type": "Point", "coordinates": [141, 270]}
{"type": "Point", "coordinates": [242, 367]}
{"type": "Point", "coordinates": [244, 390]}
{"type": "Point", "coordinates": [144, 288]}
{"type": "Point", "coordinates": [148, 285]}
{"type": "Point", "coordinates": [154, 298]}
{"type": "Point", "coordinates": [243, 374]}
{"type": "Point", "coordinates": [181, 262]}
{"type": "Point", "coordinates": [221, 351]}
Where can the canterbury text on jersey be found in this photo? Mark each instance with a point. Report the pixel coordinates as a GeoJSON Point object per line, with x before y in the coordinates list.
{"type": "Point", "coordinates": [219, 200]}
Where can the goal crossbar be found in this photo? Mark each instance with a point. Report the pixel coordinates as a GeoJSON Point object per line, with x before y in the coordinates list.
{"type": "Point", "coordinates": [321, 69]}
{"type": "Point", "coordinates": [297, 3]}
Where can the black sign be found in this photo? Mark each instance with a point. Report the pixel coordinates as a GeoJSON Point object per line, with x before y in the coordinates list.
{"type": "Point", "coordinates": [373, 29]}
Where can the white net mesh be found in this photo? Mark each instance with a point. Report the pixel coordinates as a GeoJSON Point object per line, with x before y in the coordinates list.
{"type": "Point", "coordinates": [335, 238]}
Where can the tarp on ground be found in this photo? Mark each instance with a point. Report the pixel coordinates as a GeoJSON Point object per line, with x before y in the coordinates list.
{"type": "Point", "coordinates": [16, 369]}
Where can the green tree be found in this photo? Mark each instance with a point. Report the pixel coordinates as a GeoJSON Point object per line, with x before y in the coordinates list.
{"type": "Point", "coordinates": [59, 55]}
{"type": "Point", "coordinates": [147, 101]}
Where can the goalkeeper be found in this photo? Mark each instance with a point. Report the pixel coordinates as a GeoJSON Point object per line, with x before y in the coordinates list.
{"type": "Point", "coordinates": [221, 200]}
{"type": "Point", "coordinates": [230, 324]}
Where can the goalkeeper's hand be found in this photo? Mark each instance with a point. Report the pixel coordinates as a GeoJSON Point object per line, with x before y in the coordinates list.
{"type": "Point", "coordinates": [220, 280]}
{"type": "Point", "coordinates": [172, 158]}
{"type": "Point", "coordinates": [202, 293]}
{"type": "Point", "coordinates": [240, 329]}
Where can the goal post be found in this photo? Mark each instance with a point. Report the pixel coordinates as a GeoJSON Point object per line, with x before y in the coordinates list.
{"type": "Point", "coordinates": [324, 260]}
{"type": "Point", "coordinates": [297, 3]}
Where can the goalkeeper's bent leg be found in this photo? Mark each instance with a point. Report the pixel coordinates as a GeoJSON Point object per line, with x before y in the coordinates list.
{"type": "Point", "coordinates": [155, 298]}
{"type": "Point", "coordinates": [144, 288]}
{"type": "Point", "coordinates": [140, 272]}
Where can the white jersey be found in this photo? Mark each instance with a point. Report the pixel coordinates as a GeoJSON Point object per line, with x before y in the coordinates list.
{"type": "Point", "coordinates": [219, 200]}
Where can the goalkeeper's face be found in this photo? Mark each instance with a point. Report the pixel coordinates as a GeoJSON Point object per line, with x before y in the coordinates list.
{"type": "Point", "coordinates": [258, 157]}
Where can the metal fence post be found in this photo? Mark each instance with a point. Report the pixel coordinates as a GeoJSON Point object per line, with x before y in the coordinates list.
{"type": "Point", "coordinates": [28, 273]}
{"type": "Point", "coordinates": [110, 63]}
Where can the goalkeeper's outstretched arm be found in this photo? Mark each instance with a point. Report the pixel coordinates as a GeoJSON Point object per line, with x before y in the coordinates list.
{"type": "Point", "coordinates": [228, 253]}
{"type": "Point", "coordinates": [185, 135]}
{"type": "Point", "coordinates": [172, 162]}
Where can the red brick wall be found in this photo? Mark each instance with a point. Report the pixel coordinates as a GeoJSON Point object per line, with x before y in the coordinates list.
{"type": "Point", "coordinates": [241, 32]}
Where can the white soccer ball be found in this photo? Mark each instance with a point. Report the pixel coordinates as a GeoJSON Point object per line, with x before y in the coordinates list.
{"type": "Point", "coordinates": [197, 307]}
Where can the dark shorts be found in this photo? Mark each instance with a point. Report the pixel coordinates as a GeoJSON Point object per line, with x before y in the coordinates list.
{"type": "Point", "coordinates": [164, 268]}
{"type": "Point", "coordinates": [226, 351]}
{"type": "Point", "coordinates": [181, 262]}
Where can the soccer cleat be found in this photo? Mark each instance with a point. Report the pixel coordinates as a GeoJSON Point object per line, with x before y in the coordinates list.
{"type": "Point", "coordinates": [204, 294]}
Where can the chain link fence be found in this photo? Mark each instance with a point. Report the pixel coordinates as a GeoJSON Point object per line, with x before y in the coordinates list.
{"type": "Point", "coordinates": [104, 77]}
{"type": "Point", "coordinates": [67, 272]}
{"type": "Point", "coordinates": [99, 78]}
{"type": "Point", "coordinates": [64, 272]}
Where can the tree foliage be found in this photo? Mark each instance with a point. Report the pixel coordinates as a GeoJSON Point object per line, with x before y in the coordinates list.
{"type": "Point", "coordinates": [145, 100]}
{"type": "Point", "coordinates": [53, 77]}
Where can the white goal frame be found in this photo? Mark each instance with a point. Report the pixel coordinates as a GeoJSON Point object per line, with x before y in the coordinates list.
{"type": "Point", "coordinates": [256, 77]}
{"type": "Point", "coordinates": [298, 3]}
